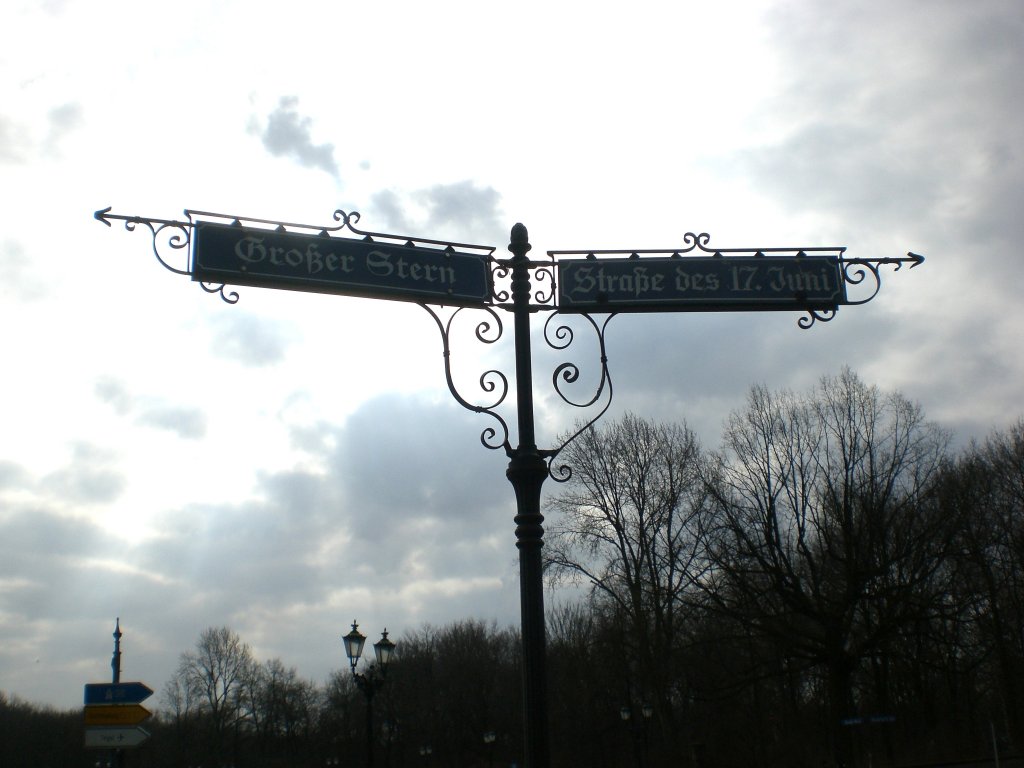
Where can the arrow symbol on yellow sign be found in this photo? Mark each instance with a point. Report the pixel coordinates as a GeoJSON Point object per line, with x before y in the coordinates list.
{"type": "Point", "coordinates": [116, 714]}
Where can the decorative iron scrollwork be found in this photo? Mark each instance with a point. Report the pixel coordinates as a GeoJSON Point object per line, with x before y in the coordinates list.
{"type": "Point", "coordinates": [493, 383]}
{"type": "Point", "coordinates": [542, 284]}
{"type": "Point", "coordinates": [866, 275]}
{"type": "Point", "coordinates": [560, 336]}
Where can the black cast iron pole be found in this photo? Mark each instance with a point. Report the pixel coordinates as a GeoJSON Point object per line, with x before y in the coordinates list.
{"type": "Point", "coordinates": [527, 471]}
{"type": "Point", "coordinates": [116, 756]}
{"type": "Point", "coordinates": [368, 690]}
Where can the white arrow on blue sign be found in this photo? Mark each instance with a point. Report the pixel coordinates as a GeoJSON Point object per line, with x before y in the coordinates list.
{"type": "Point", "coordinates": [116, 693]}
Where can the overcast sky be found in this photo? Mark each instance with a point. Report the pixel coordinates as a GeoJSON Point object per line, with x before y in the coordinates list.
{"type": "Point", "coordinates": [294, 461]}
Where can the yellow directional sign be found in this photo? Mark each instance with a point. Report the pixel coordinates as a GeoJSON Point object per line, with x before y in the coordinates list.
{"type": "Point", "coordinates": [115, 714]}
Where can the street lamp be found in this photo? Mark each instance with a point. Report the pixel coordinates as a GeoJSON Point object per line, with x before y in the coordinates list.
{"type": "Point", "coordinates": [638, 729]}
{"type": "Point", "coordinates": [373, 680]}
{"type": "Point", "coordinates": [489, 738]}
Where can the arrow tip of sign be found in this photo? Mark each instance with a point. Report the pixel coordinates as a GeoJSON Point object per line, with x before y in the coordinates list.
{"type": "Point", "coordinates": [918, 259]}
{"type": "Point", "coordinates": [101, 215]}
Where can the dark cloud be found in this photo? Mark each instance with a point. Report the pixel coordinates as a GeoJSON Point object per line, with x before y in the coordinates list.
{"type": "Point", "coordinates": [433, 447]}
{"type": "Point", "coordinates": [188, 423]}
{"type": "Point", "coordinates": [114, 393]}
{"type": "Point", "coordinates": [90, 477]}
{"type": "Point", "coordinates": [248, 339]}
{"type": "Point", "coordinates": [16, 278]}
{"type": "Point", "coordinates": [462, 211]}
{"type": "Point", "coordinates": [911, 119]}
{"type": "Point", "coordinates": [259, 549]}
{"type": "Point", "coordinates": [463, 207]}
{"type": "Point", "coordinates": [406, 494]}
{"type": "Point", "coordinates": [288, 134]}
{"type": "Point", "coordinates": [42, 549]}
{"type": "Point", "coordinates": [62, 119]}
{"type": "Point", "coordinates": [12, 475]}
{"type": "Point", "coordinates": [20, 141]}
{"type": "Point", "coordinates": [387, 206]}
{"type": "Point", "coordinates": [15, 144]}
{"type": "Point", "coordinates": [895, 131]}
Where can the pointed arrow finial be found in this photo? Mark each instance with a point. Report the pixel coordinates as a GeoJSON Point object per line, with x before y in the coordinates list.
{"type": "Point", "coordinates": [101, 215]}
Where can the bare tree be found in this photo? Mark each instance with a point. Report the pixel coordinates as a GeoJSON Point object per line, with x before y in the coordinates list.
{"type": "Point", "coordinates": [281, 706]}
{"type": "Point", "coordinates": [210, 681]}
{"type": "Point", "coordinates": [987, 491]}
{"type": "Point", "coordinates": [447, 686]}
{"type": "Point", "coordinates": [629, 525]}
{"type": "Point", "coordinates": [828, 539]}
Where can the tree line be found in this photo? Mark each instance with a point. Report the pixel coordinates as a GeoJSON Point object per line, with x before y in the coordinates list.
{"type": "Point", "coordinates": [832, 586]}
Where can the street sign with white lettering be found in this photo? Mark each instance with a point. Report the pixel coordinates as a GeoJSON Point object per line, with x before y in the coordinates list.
{"type": "Point", "coordinates": [236, 255]}
{"type": "Point", "coordinates": [116, 693]}
{"type": "Point", "coordinates": [114, 738]}
{"type": "Point", "coordinates": [700, 284]}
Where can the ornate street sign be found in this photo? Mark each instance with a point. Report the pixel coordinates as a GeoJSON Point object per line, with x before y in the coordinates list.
{"type": "Point", "coordinates": [225, 250]}
{"type": "Point", "coordinates": [237, 255]}
{"type": "Point", "coordinates": [218, 250]}
{"type": "Point", "coordinates": [710, 284]}
{"type": "Point", "coordinates": [813, 280]}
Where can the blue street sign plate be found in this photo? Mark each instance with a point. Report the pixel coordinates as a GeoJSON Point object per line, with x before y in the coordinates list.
{"type": "Point", "coordinates": [116, 693]}
{"type": "Point", "coordinates": [233, 255]}
{"type": "Point", "coordinates": [700, 284]}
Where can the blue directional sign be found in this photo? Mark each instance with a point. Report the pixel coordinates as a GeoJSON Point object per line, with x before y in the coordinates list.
{"type": "Point", "coordinates": [116, 693]}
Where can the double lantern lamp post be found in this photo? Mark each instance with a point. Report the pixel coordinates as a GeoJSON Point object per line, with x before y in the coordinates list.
{"type": "Point", "coordinates": [638, 730]}
{"type": "Point", "coordinates": [372, 681]}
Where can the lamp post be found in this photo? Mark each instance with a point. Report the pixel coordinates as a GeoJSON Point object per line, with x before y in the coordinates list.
{"type": "Point", "coordinates": [373, 680]}
{"type": "Point", "coordinates": [638, 729]}
{"type": "Point", "coordinates": [388, 735]}
{"type": "Point", "coordinates": [489, 738]}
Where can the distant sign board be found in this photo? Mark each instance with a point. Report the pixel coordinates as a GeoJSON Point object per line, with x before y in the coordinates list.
{"type": "Point", "coordinates": [111, 709]}
{"type": "Point", "coordinates": [236, 255]}
{"type": "Point", "coordinates": [116, 693]}
{"type": "Point", "coordinates": [700, 284]}
{"type": "Point", "coordinates": [118, 714]}
{"type": "Point", "coordinates": [114, 738]}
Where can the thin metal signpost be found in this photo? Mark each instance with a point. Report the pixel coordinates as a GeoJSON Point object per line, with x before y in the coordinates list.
{"type": "Point", "coordinates": [114, 710]}
{"type": "Point", "coordinates": [448, 278]}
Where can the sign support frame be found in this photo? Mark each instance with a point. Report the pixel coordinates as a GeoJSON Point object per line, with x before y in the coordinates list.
{"type": "Point", "coordinates": [529, 466]}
